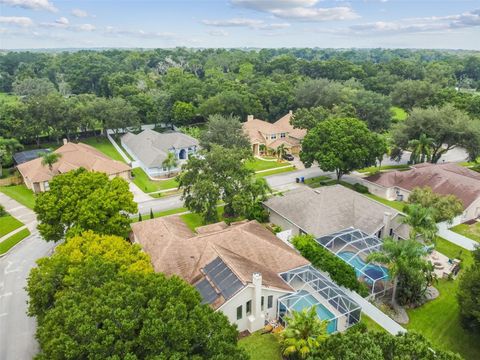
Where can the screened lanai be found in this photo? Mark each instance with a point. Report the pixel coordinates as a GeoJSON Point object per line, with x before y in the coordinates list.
{"type": "Point", "coordinates": [353, 246]}
{"type": "Point", "coordinates": [314, 289]}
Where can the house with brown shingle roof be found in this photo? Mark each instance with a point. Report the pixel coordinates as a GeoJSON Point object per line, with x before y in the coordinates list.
{"type": "Point", "coordinates": [272, 135]}
{"type": "Point", "coordinates": [36, 176]}
{"type": "Point", "coordinates": [443, 179]}
{"type": "Point", "coordinates": [238, 269]}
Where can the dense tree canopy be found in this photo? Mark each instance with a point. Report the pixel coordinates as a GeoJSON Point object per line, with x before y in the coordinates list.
{"type": "Point", "coordinates": [97, 297]}
{"type": "Point", "coordinates": [220, 175]}
{"type": "Point", "coordinates": [226, 131]}
{"type": "Point", "coordinates": [469, 295]}
{"type": "Point", "coordinates": [342, 145]}
{"type": "Point", "coordinates": [80, 200]}
{"type": "Point", "coordinates": [446, 207]}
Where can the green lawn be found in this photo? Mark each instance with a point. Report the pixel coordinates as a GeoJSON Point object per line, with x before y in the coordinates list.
{"type": "Point", "coordinates": [398, 205]}
{"type": "Point", "coordinates": [371, 325]}
{"type": "Point", "coordinates": [162, 213]}
{"type": "Point", "coordinates": [398, 113]}
{"type": "Point", "coordinates": [195, 220]}
{"type": "Point", "coordinates": [274, 172]}
{"type": "Point", "coordinates": [470, 231]}
{"type": "Point", "coordinates": [258, 164]}
{"type": "Point", "coordinates": [384, 167]}
{"type": "Point", "coordinates": [20, 193]}
{"type": "Point", "coordinates": [7, 244]}
{"type": "Point", "coordinates": [261, 347]}
{"type": "Point", "coordinates": [319, 181]}
{"type": "Point", "coordinates": [7, 224]}
{"type": "Point", "coordinates": [439, 320]}
{"type": "Point", "coordinates": [104, 145]}
{"type": "Point", "coordinates": [146, 185]}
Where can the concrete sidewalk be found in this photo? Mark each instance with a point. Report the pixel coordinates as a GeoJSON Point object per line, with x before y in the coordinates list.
{"type": "Point", "coordinates": [19, 211]}
{"type": "Point", "coordinates": [457, 239]}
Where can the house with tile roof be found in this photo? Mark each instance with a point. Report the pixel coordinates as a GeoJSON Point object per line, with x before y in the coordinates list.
{"type": "Point", "coordinates": [263, 134]}
{"type": "Point", "coordinates": [443, 179]}
{"type": "Point", "coordinates": [72, 156]}
{"type": "Point", "coordinates": [242, 270]}
{"type": "Point", "coordinates": [149, 149]}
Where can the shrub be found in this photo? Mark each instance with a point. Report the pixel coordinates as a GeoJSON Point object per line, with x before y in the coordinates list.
{"type": "Point", "coordinates": [340, 272]}
{"type": "Point", "coordinates": [469, 295]}
{"type": "Point", "coordinates": [2, 211]}
{"type": "Point", "coordinates": [360, 188]}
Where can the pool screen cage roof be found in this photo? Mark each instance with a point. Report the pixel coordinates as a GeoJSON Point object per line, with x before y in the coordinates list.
{"type": "Point", "coordinates": [353, 246]}
{"type": "Point", "coordinates": [309, 281]}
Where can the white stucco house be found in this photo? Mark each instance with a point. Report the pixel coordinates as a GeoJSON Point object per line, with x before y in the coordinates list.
{"type": "Point", "coordinates": [244, 271]}
{"type": "Point", "coordinates": [149, 149]}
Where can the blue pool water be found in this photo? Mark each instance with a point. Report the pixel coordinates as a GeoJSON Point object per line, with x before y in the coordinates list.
{"type": "Point", "coordinates": [322, 312]}
{"type": "Point", "coordinates": [375, 272]}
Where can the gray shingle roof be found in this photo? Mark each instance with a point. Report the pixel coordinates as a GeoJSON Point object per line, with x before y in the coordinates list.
{"type": "Point", "coordinates": [152, 148]}
{"type": "Point", "coordinates": [330, 209]}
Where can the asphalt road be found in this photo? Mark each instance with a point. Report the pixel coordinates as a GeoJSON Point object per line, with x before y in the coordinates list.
{"type": "Point", "coordinates": [17, 330]}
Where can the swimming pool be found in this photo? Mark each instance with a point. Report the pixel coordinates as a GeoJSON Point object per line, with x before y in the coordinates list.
{"type": "Point", "coordinates": [375, 272]}
{"type": "Point", "coordinates": [322, 312]}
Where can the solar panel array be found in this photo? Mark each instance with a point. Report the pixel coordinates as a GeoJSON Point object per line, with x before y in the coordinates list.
{"type": "Point", "coordinates": [224, 279]}
{"type": "Point", "coordinates": [24, 156]}
{"type": "Point", "coordinates": [208, 293]}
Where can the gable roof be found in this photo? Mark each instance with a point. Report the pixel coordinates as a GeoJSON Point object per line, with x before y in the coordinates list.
{"type": "Point", "coordinates": [152, 147]}
{"type": "Point", "coordinates": [443, 179]}
{"type": "Point", "coordinates": [284, 123]}
{"type": "Point", "coordinates": [329, 209]}
{"type": "Point", "coordinates": [73, 156]}
{"type": "Point", "coordinates": [245, 247]}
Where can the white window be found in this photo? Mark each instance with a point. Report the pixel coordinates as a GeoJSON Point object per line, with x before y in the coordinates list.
{"type": "Point", "coordinates": [46, 185]}
{"type": "Point", "coordinates": [273, 136]}
{"type": "Point", "coordinates": [282, 135]}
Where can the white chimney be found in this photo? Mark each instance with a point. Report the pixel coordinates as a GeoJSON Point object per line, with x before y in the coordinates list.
{"type": "Point", "coordinates": [290, 112]}
{"type": "Point", "coordinates": [257, 319]}
{"type": "Point", "coordinates": [387, 218]}
{"type": "Point", "coordinates": [249, 117]}
{"type": "Point", "coordinates": [65, 141]}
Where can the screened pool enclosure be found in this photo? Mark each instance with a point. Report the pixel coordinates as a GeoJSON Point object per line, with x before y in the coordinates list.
{"type": "Point", "coordinates": [314, 289]}
{"type": "Point", "coordinates": [353, 246]}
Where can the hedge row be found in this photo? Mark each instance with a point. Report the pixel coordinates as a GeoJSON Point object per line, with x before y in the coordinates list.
{"type": "Point", "coordinates": [340, 272]}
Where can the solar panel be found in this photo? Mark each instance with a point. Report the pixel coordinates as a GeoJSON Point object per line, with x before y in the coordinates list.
{"type": "Point", "coordinates": [224, 279]}
{"type": "Point", "coordinates": [206, 291]}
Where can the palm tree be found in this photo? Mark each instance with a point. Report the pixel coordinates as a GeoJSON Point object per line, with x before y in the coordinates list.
{"type": "Point", "coordinates": [304, 333]}
{"type": "Point", "coordinates": [421, 221]}
{"type": "Point", "coordinates": [170, 162]}
{"type": "Point", "coordinates": [421, 149]}
{"type": "Point", "coordinates": [50, 158]}
{"type": "Point", "coordinates": [399, 256]}
{"type": "Point", "coordinates": [281, 150]}
{"type": "Point", "coordinates": [7, 147]}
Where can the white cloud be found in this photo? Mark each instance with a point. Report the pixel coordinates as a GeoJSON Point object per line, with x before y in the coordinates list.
{"type": "Point", "coordinates": [62, 21]}
{"type": "Point", "coordinates": [249, 23]}
{"type": "Point", "coordinates": [111, 30]}
{"type": "Point", "coordinates": [31, 4]}
{"type": "Point", "coordinates": [86, 27]}
{"type": "Point", "coordinates": [426, 24]}
{"type": "Point", "coordinates": [299, 10]}
{"type": "Point", "coordinates": [218, 32]}
{"type": "Point", "coordinates": [79, 13]}
{"type": "Point", "coordinates": [16, 20]}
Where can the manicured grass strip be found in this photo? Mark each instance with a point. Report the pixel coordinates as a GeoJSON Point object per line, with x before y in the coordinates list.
{"type": "Point", "coordinates": [439, 320]}
{"type": "Point", "coordinates": [7, 244]}
{"type": "Point", "coordinates": [161, 214]}
{"type": "Point", "coordinates": [470, 231]}
{"type": "Point", "coordinates": [371, 325]}
{"type": "Point", "coordinates": [20, 193]}
{"type": "Point", "coordinates": [398, 205]}
{"type": "Point", "coordinates": [274, 172]}
{"type": "Point", "coordinates": [195, 220]}
{"type": "Point", "coordinates": [398, 113]}
{"type": "Point", "coordinates": [258, 164]}
{"type": "Point", "coordinates": [105, 146]}
{"type": "Point", "coordinates": [319, 181]}
{"type": "Point", "coordinates": [7, 224]}
{"type": "Point", "coordinates": [261, 347]}
{"type": "Point", "coordinates": [146, 185]}
{"type": "Point", "coordinates": [385, 167]}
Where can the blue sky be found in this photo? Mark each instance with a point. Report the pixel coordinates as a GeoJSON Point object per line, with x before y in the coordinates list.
{"type": "Point", "coordinates": [453, 24]}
